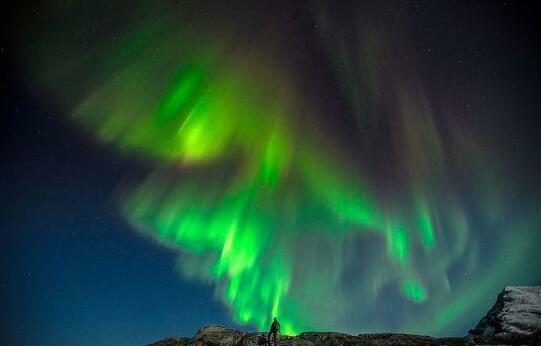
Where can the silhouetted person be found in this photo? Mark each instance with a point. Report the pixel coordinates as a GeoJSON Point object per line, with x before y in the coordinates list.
{"type": "Point", "coordinates": [274, 329]}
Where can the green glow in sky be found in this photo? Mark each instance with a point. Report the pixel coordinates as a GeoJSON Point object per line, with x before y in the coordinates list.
{"type": "Point", "coordinates": [263, 198]}
{"type": "Point", "coordinates": [270, 189]}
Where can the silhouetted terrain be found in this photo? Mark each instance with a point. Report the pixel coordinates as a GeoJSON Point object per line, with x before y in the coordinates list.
{"type": "Point", "coordinates": [515, 319]}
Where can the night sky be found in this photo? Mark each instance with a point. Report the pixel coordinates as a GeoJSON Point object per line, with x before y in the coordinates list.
{"type": "Point", "coordinates": [343, 166]}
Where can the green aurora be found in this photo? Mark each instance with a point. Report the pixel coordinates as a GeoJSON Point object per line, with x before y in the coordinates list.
{"type": "Point", "coordinates": [262, 197]}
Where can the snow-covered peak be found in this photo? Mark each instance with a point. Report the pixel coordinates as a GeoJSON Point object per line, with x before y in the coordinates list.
{"type": "Point", "coordinates": [517, 311]}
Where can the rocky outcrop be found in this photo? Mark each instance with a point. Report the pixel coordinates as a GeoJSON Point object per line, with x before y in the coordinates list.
{"type": "Point", "coordinates": [220, 336]}
{"type": "Point", "coordinates": [217, 336]}
{"type": "Point", "coordinates": [516, 313]}
{"type": "Point", "coordinates": [515, 319]}
{"type": "Point", "coordinates": [173, 341]}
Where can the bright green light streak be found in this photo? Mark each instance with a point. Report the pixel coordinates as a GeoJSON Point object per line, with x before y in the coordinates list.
{"type": "Point", "coordinates": [426, 228]}
{"type": "Point", "coordinates": [415, 292]}
{"type": "Point", "coordinates": [398, 243]}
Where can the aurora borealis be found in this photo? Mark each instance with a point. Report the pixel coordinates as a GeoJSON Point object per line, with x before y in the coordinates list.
{"type": "Point", "coordinates": [306, 160]}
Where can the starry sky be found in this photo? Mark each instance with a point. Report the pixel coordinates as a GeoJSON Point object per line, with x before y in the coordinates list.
{"type": "Point", "coordinates": [341, 165]}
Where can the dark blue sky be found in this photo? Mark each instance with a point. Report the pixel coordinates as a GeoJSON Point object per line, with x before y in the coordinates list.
{"type": "Point", "coordinates": [73, 272]}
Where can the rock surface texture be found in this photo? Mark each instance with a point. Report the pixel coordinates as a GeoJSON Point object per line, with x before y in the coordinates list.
{"type": "Point", "coordinates": [515, 319]}
{"type": "Point", "coordinates": [220, 336]}
{"type": "Point", "coordinates": [517, 312]}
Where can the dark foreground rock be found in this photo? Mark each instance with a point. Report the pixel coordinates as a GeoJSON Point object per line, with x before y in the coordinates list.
{"type": "Point", "coordinates": [220, 336]}
{"type": "Point", "coordinates": [515, 319]}
{"type": "Point", "coordinates": [173, 341]}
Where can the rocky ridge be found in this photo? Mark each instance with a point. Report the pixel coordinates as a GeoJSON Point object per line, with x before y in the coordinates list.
{"type": "Point", "coordinates": [515, 319]}
{"type": "Point", "coordinates": [221, 336]}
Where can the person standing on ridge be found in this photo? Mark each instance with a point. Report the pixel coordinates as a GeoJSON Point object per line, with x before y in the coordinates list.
{"type": "Point", "coordinates": [274, 330]}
